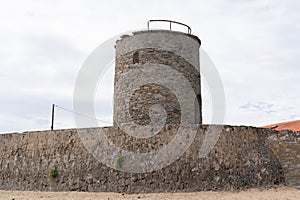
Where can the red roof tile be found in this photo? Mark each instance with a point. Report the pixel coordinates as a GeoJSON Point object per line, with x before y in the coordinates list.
{"type": "Point", "coordinates": [291, 125]}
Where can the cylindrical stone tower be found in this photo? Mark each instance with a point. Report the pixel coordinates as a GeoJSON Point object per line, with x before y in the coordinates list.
{"type": "Point", "coordinates": [151, 66]}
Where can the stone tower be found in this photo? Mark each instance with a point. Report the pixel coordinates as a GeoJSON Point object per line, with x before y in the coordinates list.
{"type": "Point", "coordinates": [146, 55]}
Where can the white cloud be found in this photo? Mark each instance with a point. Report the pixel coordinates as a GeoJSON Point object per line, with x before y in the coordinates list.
{"type": "Point", "coordinates": [254, 44]}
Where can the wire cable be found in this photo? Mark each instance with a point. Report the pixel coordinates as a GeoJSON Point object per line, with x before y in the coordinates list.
{"type": "Point", "coordinates": [83, 115]}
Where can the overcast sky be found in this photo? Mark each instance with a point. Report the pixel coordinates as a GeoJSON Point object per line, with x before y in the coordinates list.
{"type": "Point", "coordinates": [254, 44]}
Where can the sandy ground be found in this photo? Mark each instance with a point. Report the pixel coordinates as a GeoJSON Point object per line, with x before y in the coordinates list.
{"type": "Point", "coordinates": [283, 193]}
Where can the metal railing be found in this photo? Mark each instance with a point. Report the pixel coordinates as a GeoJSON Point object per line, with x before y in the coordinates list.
{"type": "Point", "coordinates": [170, 22]}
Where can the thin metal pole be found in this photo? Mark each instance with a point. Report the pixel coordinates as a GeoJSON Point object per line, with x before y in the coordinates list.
{"type": "Point", "coordinates": [52, 121]}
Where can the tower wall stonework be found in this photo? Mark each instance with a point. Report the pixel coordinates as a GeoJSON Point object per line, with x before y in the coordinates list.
{"type": "Point", "coordinates": [160, 49]}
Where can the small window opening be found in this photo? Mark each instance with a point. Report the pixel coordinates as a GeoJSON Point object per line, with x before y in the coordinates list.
{"type": "Point", "coordinates": [136, 57]}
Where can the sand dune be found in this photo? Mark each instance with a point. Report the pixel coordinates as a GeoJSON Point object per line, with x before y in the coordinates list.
{"type": "Point", "coordinates": [282, 193]}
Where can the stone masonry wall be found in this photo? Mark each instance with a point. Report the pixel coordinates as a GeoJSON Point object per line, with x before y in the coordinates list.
{"type": "Point", "coordinates": [242, 158]}
{"type": "Point", "coordinates": [160, 49]}
{"type": "Point", "coordinates": [286, 146]}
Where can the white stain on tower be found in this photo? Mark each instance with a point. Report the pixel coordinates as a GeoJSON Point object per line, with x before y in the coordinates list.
{"type": "Point", "coordinates": [157, 101]}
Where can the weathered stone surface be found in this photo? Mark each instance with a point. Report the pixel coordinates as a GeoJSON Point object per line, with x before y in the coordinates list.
{"type": "Point", "coordinates": [243, 157]}
{"type": "Point", "coordinates": [159, 49]}
{"type": "Point", "coordinates": [286, 147]}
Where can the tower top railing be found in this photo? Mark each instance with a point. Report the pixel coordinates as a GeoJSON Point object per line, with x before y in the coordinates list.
{"type": "Point", "coordinates": [170, 22]}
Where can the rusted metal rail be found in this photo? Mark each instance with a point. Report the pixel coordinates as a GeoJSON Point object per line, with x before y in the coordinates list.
{"type": "Point", "coordinates": [170, 22]}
